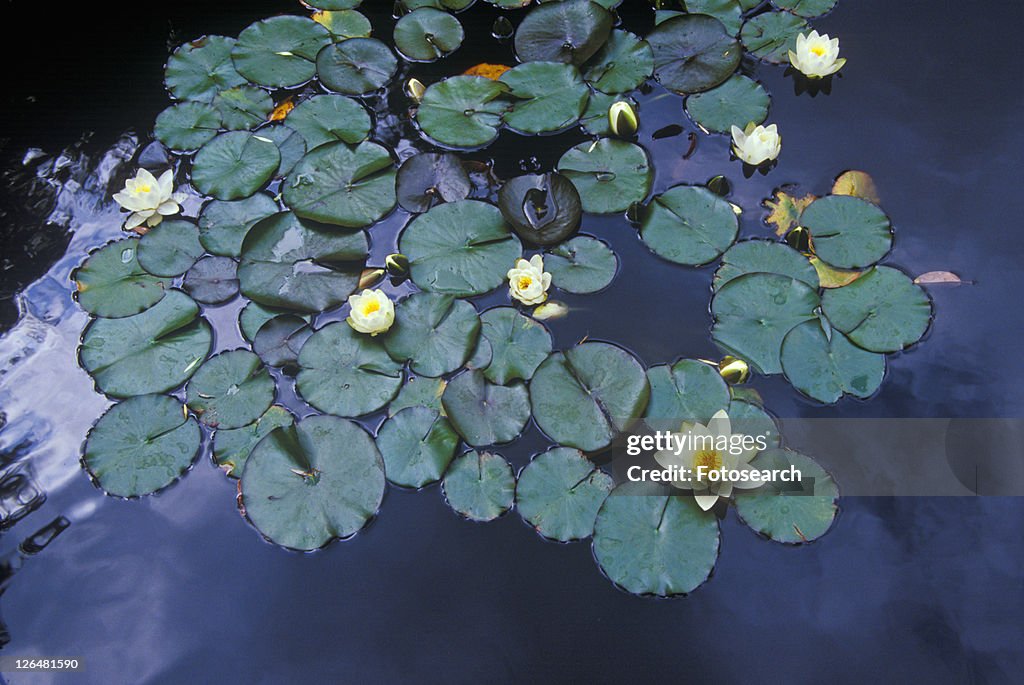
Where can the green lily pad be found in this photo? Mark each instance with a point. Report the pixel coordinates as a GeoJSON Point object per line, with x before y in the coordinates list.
{"type": "Point", "coordinates": [549, 96]}
{"type": "Point", "coordinates": [748, 418]}
{"type": "Point", "coordinates": [655, 545]}
{"type": "Point", "coordinates": [289, 142]}
{"type": "Point", "coordinates": [151, 352]}
{"type": "Point", "coordinates": [463, 111]}
{"type": "Point", "coordinates": [609, 174]}
{"type": "Point", "coordinates": [543, 209]}
{"type": "Point", "coordinates": [806, 8]}
{"type": "Point", "coordinates": [737, 102]}
{"type": "Point", "coordinates": [279, 340]}
{"type": "Point", "coordinates": [479, 486]}
{"type": "Point", "coordinates": [689, 225]}
{"type": "Point", "coordinates": [427, 34]}
{"type": "Point", "coordinates": [212, 280]}
{"type": "Point", "coordinates": [847, 232]}
{"type": "Point", "coordinates": [429, 178]}
{"type": "Point", "coordinates": [584, 396]}
{"type": "Point", "coordinates": [753, 314]}
{"type": "Point", "coordinates": [419, 392]}
{"type": "Point", "coordinates": [688, 390]}
{"type": "Point", "coordinates": [435, 333]}
{"type": "Point", "coordinates": [825, 366]}
{"type": "Point", "coordinates": [111, 282]}
{"type": "Point", "coordinates": [518, 344]}
{"type": "Point", "coordinates": [243, 108]}
{"type": "Point", "coordinates": [223, 225]}
{"type": "Point", "coordinates": [340, 185]}
{"type": "Point", "coordinates": [417, 444]}
{"type": "Point", "coordinates": [693, 53]}
{"type": "Point", "coordinates": [346, 373]}
{"type": "Point", "coordinates": [141, 445]}
{"type": "Point", "coordinates": [571, 31]}
{"type": "Point", "coordinates": [484, 413]}
{"type": "Point", "coordinates": [482, 355]}
{"type": "Point", "coordinates": [621, 65]}
{"type": "Point", "coordinates": [280, 52]}
{"type": "Point", "coordinates": [356, 66]}
{"type": "Point", "coordinates": [345, 23]}
{"type": "Point", "coordinates": [453, 5]}
{"type": "Point", "coordinates": [801, 514]}
{"type": "Point", "coordinates": [770, 36]}
{"type": "Point", "coordinates": [581, 265]}
{"type": "Point", "coordinates": [460, 248]}
{"type": "Point", "coordinates": [234, 165]}
{"type": "Point", "coordinates": [882, 311]}
{"type": "Point", "coordinates": [253, 316]}
{"type": "Point", "coordinates": [232, 447]}
{"type": "Point", "coordinates": [230, 390]}
{"type": "Point", "coordinates": [187, 126]}
{"type": "Point", "coordinates": [327, 118]}
{"type": "Point", "coordinates": [170, 249]}
{"type": "Point", "coordinates": [202, 68]}
{"type": "Point", "coordinates": [559, 493]}
{"type": "Point", "coordinates": [333, 5]}
{"type": "Point", "coordinates": [728, 12]}
{"type": "Point", "coordinates": [306, 484]}
{"type": "Point", "coordinates": [764, 256]}
{"type": "Point", "coordinates": [295, 264]}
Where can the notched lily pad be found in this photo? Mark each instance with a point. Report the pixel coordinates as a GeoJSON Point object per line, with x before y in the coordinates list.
{"type": "Point", "coordinates": [689, 225]}
{"type": "Point", "coordinates": [356, 66]}
{"type": "Point", "coordinates": [328, 118]}
{"type": "Point", "coordinates": [581, 265]}
{"type": "Point", "coordinates": [187, 126]}
{"type": "Point", "coordinates": [419, 391]}
{"type": "Point", "coordinates": [847, 232]}
{"type": "Point", "coordinates": [230, 390]}
{"type": "Point", "coordinates": [559, 493]}
{"type": "Point", "coordinates": [435, 333]}
{"type": "Point", "coordinates": [609, 174]}
{"type": "Point", "coordinates": [570, 32]}
{"type": "Point", "coordinates": [688, 390]}
{"type": "Point", "coordinates": [693, 53]}
{"type": "Point", "coordinates": [170, 249]}
{"type": "Point", "coordinates": [737, 102]}
{"type": "Point", "coordinates": [621, 65]}
{"type": "Point", "coordinates": [234, 165]}
{"type": "Point", "coordinates": [518, 344]}
{"type": "Point", "coordinates": [430, 178]}
{"type": "Point", "coordinates": [427, 34]}
{"type": "Point", "coordinates": [479, 486]}
{"type": "Point", "coordinates": [243, 108]}
{"type": "Point", "coordinates": [484, 413]}
{"type": "Point", "coordinates": [202, 68]}
{"type": "Point", "coordinates": [223, 225]}
{"type": "Point", "coordinates": [770, 36]}
{"type": "Point", "coordinates": [111, 282]}
{"type": "Point", "coordinates": [825, 366]}
{"type": "Point", "coordinates": [280, 52]}
{"type": "Point", "coordinates": [463, 111]}
{"type": "Point", "coordinates": [417, 444]}
{"type": "Point", "coordinates": [231, 447]}
{"type": "Point", "coordinates": [764, 256]}
{"type": "Point", "coordinates": [548, 97]}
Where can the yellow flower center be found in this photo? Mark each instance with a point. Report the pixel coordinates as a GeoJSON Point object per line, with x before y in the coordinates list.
{"type": "Point", "coordinates": [710, 459]}
{"type": "Point", "coordinates": [143, 189]}
{"type": "Point", "coordinates": [525, 282]}
{"type": "Point", "coordinates": [818, 50]}
{"type": "Point", "coordinates": [371, 307]}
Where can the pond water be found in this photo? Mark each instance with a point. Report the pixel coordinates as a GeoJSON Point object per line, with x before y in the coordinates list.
{"type": "Point", "coordinates": [179, 588]}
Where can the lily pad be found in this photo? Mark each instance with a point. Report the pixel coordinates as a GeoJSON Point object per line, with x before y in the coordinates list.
{"type": "Point", "coordinates": [609, 174]}
{"type": "Point", "coordinates": [253, 316]}
{"type": "Point", "coordinates": [232, 447]}
{"type": "Point", "coordinates": [356, 66]}
{"type": "Point", "coordinates": [306, 484]}
{"type": "Point", "coordinates": [584, 396]}
{"type": "Point", "coordinates": [518, 344]}
{"type": "Point", "coordinates": [770, 36]}
{"type": "Point", "coordinates": [223, 225]}
{"type": "Point", "coordinates": [141, 445]}
{"type": "Point", "coordinates": [202, 68]}
{"type": "Point", "coordinates": [753, 314]}
{"type": "Point", "coordinates": [243, 108]}
{"type": "Point", "coordinates": [417, 444]}
{"type": "Point", "coordinates": [234, 165]}
{"type": "Point", "coordinates": [737, 102]}
{"type": "Point", "coordinates": [549, 96]}
{"type": "Point", "coordinates": [595, 119]}
{"type": "Point", "coordinates": [334, 5]}
{"type": "Point", "coordinates": [419, 392]}
{"type": "Point", "coordinates": [581, 265]}
{"type": "Point", "coordinates": [463, 111]}
{"type": "Point", "coordinates": [543, 209]}
{"type": "Point", "coordinates": [289, 142]}
{"type": "Point", "coordinates": [484, 413]}
{"type": "Point", "coordinates": [748, 418]}
{"type": "Point", "coordinates": [429, 178]}
{"type": "Point", "coordinates": [693, 53]}
{"type": "Point", "coordinates": [111, 282]}
{"type": "Point", "coordinates": [435, 333]}
{"type": "Point", "coordinates": [279, 340]}
{"type": "Point", "coordinates": [230, 390]}
{"type": "Point", "coordinates": [427, 34]}
{"type": "Point", "coordinates": [825, 366]}
{"type": "Point", "coordinates": [559, 493]}
{"type": "Point", "coordinates": [344, 23]}
{"type": "Point", "coordinates": [170, 249]}
{"type": "Point", "coordinates": [479, 486]}
{"type": "Point", "coordinates": [187, 126]}
{"type": "Point", "coordinates": [327, 118]}
{"type": "Point", "coordinates": [621, 65]}
{"type": "Point", "coordinates": [212, 280]}
{"type": "Point", "coordinates": [688, 390]}
{"type": "Point", "coordinates": [848, 232]}
{"type": "Point", "coordinates": [151, 352]}
{"type": "Point", "coordinates": [689, 225]}
{"type": "Point", "coordinates": [729, 12]}
{"type": "Point", "coordinates": [571, 31]}
{"type": "Point", "coordinates": [882, 311]}
{"type": "Point", "coordinates": [460, 248]}
{"type": "Point", "coordinates": [280, 52]}
{"type": "Point", "coordinates": [346, 373]}
{"type": "Point", "coordinates": [806, 8]}
{"type": "Point", "coordinates": [764, 256]}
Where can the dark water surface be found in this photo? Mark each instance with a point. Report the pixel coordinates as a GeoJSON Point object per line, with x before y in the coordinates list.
{"type": "Point", "coordinates": [178, 588]}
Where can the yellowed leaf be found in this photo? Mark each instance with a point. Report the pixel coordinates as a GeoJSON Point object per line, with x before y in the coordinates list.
{"type": "Point", "coordinates": [491, 71]}
{"type": "Point", "coordinates": [784, 210]}
{"type": "Point", "coordinates": [858, 184]}
{"type": "Point", "coordinates": [934, 277]}
{"type": "Point", "coordinates": [282, 110]}
{"type": "Point", "coordinates": [831, 277]}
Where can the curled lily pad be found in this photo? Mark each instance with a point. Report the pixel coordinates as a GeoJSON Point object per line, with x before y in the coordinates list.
{"type": "Point", "coordinates": [688, 390]}
{"type": "Point", "coordinates": [518, 344]}
{"type": "Point", "coordinates": [187, 126]}
{"type": "Point", "coordinates": [306, 484]}
{"type": "Point", "coordinates": [112, 283]}
{"type": "Point", "coordinates": [609, 174]}
{"type": "Point", "coordinates": [770, 36]}
{"type": "Point", "coordinates": [417, 444]}
{"type": "Point", "coordinates": [289, 142]}
{"type": "Point", "coordinates": [243, 108]}
{"type": "Point", "coordinates": [341, 185]}
{"type": "Point", "coordinates": [170, 249]}
{"type": "Point", "coordinates": [346, 373]}
{"type": "Point", "coordinates": [737, 102]}
{"type": "Point", "coordinates": [621, 65]}
{"type": "Point", "coordinates": [847, 232]}
{"type": "Point", "coordinates": [581, 265]}
{"type": "Point", "coordinates": [427, 34]}
{"type": "Point", "coordinates": [234, 165]}
{"type": "Point", "coordinates": [753, 314]}
{"type": "Point", "coordinates": [435, 332]}
{"type": "Point", "coordinates": [141, 445]}
{"type": "Point", "coordinates": [151, 352]}
{"type": "Point", "coordinates": [419, 392]}
{"type": "Point", "coordinates": [231, 447]}
{"type": "Point", "coordinates": [549, 96]}
{"type": "Point", "coordinates": [882, 311]}
{"type": "Point", "coordinates": [650, 544]}
{"type": "Point", "coordinates": [223, 225]}
{"type": "Point", "coordinates": [570, 31]}
{"type": "Point", "coordinates": [484, 413]}
{"type": "Point", "coordinates": [806, 8]}
{"type": "Point", "coordinates": [689, 225]}
{"type": "Point", "coordinates": [543, 209]}
{"type": "Point", "coordinates": [559, 493]}
{"type": "Point", "coordinates": [230, 390]}
{"type": "Point", "coordinates": [280, 52]}
{"type": "Point", "coordinates": [764, 256]}
{"type": "Point", "coordinates": [479, 486]}
{"type": "Point", "coordinates": [826, 366]}
{"type": "Point", "coordinates": [429, 178]}
{"type": "Point", "coordinates": [344, 23]}
{"type": "Point", "coordinates": [327, 118]}
{"type": "Point", "coordinates": [460, 248]}
{"type": "Point", "coordinates": [279, 340]}
{"type": "Point", "coordinates": [200, 69]}
{"type": "Point", "coordinates": [693, 53]}
{"type": "Point", "coordinates": [212, 280]}
{"type": "Point", "coordinates": [584, 396]}
{"type": "Point", "coordinates": [356, 66]}
{"type": "Point", "coordinates": [463, 111]}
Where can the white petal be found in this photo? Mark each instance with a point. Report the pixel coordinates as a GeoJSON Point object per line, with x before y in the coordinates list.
{"type": "Point", "coordinates": [705, 501]}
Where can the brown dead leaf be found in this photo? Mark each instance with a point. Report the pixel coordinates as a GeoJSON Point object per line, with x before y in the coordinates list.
{"type": "Point", "coordinates": [282, 110]}
{"type": "Point", "coordinates": [491, 71]}
{"type": "Point", "coordinates": [784, 210]}
{"type": "Point", "coordinates": [858, 184]}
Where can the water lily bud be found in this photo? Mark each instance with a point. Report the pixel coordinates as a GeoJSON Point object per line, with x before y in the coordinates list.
{"type": "Point", "coordinates": [734, 371]}
{"type": "Point", "coordinates": [397, 265]}
{"type": "Point", "coordinates": [799, 239]}
{"type": "Point", "coordinates": [371, 277]}
{"type": "Point", "coordinates": [502, 28]}
{"type": "Point", "coordinates": [720, 186]}
{"type": "Point", "coordinates": [551, 310]}
{"type": "Point", "coordinates": [623, 120]}
{"type": "Point", "coordinates": [415, 89]}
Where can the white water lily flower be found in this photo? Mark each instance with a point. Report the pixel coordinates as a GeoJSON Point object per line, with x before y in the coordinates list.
{"type": "Point", "coordinates": [816, 56]}
{"type": "Point", "coordinates": [372, 312]}
{"type": "Point", "coordinates": [757, 144]}
{"type": "Point", "coordinates": [715, 448]}
{"type": "Point", "coordinates": [149, 199]}
{"type": "Point", "coordinates": [527, 281]}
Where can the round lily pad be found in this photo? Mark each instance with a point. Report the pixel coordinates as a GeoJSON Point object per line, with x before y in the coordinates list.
{"type": "Point", "coordinates": [356, 66]}
{"type": "Point", "coordinates": [764, 256]}
{"type": "Point", "coordinates": [345, 23]}
{"type": "Point", "coordinates": [543, 209]}
{"type": "Point", "coordinates": [234, 165]}
{"type": "Point", "coordinates": [518, 344]}
{"type": "Point", "coordinates": [427, 34]}
{"type": "Point", "coordinates": [151, 352]}
{"type": "Point", "coordinates": [232, 447]}
{"type": "Point", "coordinates": [280, 52]}
{"type": "Point", "coordinates": [753, 314]}
{"type": "Point", "coordinates": [141, 445]}
{"type": "Point", "coordinates": [655, 545]}
{"type": "Point", "coordinates": [430, 178]}
{"type": "Point", "coordinates": [737, 102]}
{"type": "Point", "coordinates": [581, 265]}
{"type": "Point", "coordinates": [584, 396]}
{"type": "Point", "coordinates": [610, 174]}
{"type": "Point", "coordinates": [882, 311]}
{"type": "Point", "coordinates": [187, 126]}
{"type": "Point", "coordinates": [346, 373]}
{"type": "Point", "coordinates": [306, 484]}
{"type": "Point", "coordinates": [341, 185]}
{"type": "Point", "coordinates": [170, 249]}
{"type": "Point", "coordinates": [559, 493]}
{"type": "Point", "coordinates": [570, 31]}
{"type": "Point", "coordinates": [479, 486]}
{"type": "Point", "coordinates": [230, 390]}
{"type": "Point", "coordinates": [484, 413]}
{"type": "Point", "coordinates": [460, 248]}
{"type": "Point", "coordinates": [327, 118]}
{"type": "Point", "coordinates": [212, 280]}
{"type": "Point", "coordinates": [687, 391]}
{"type": "Point", "coordinates": [693, 53]}
{"type": "Point", "coordinates": [549, 96]}
{"type": "Point", "coordinates": [463, 111]}
{"type": "Point", "coordinates": [417, 444]}
{"type": "Point", "coordinates": [621, 65]}
{"type": "Point", "coordinates": [279, 340]}
{"type": "Point", "coordinates": [200, 69]}
{"type": "Point", "coordinates": [289, 142]}
{"type": "Point", "coordinates": [243, 108]}
{"type": "Point", "coordinates": [770, 36]}
{"type": "Point", "coordinates": [419, 392]}
{"type": "Point", "coordinates": [825, 366]}
{"type": "Point", "coordinates": [806, 8]}
{"type": "Point", "coordinates": [689, 225]}
{"type": "Point", "coordinates": [223, 225]}
{"type": "Point", "coordinates": [847, 232]}
{"type": "Point", "coordinates": [435, 333]}
{"type": "Point", "coordinates": [111, 282]}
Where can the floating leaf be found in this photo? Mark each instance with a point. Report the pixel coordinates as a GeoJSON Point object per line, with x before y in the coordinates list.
{"type": "Point", "coordinates": [609, 174]}
{"type": "Point", "coordinates": [479, 486]}
{"type": "Point", "coordinates": [253, 316]}
{"type": "Point", "coordinates": [936, 277]}
{"type": "Point", "coordinates": [170, 249]}
{"type": "Point", "coordinates": [491, 71]}
{"type": "Point", "coordinates": [223, 225]}
{"type": "Point", "coordinates": [243, 108]}
{"type": "Point", "coordinates": [764, 256]}
{"type": "Point", "coordinates": [484, 413]}
{"type": "Point", "coordinates": [212, 280]}
{"type": "Point", "coordinates": [551, 310]}
{"type": "Point", "coordinates": [549, 96]}
{"type": "Point", "coordinates": [202, 68]}
{"type": "Point", "coordinates": [279, 340]}
{"type": "Point", "coordinates": [112, 283]}
{"type": "Point", "coordinates": [231, 447]}
{"type": "Point", "coordinates": [882, 311]}
{"type": "Point", "coordinates": [187, 126]}
{"type": "Point", "coordinates": [770, 36]}
{"type": "Point", "coordinates": [427, 34]}
{"type": "Point", "coordinates": [417, 444]}
{"type": "Point", "coordinates": [847, 232]}
{"type": "Point", "coordinates": [463, 111]}
{"type": "Point", "coordinates": [518, 344]}
{"type": "Point", "coordinates": [570, 31]}
{"type": "Point", "coordinates": [356, 66]}
{"type": "Point", "coordinates": [747, 416]}
{"type": "Point", "coordinates": [430, 178]}
{"type": "Point", "coordinates": [785, 210]}
{"type": "Point", "coordinates": [831, 277]}
{"type": "Point", "coordinates": [622, 65]}
{"type": "Point", "coordinates": [234, 165]}
{"type": "Point", "coordinates": [289, 142]}
{"type": "Point", "coordinates": [737, 102]}
{"type": "Point", "coordinates": [333, 5]}
{"type": "Point", "coordinates": [344, 23]}
{"type": "Point", "coordinates": [693, 53]}
{"type": "Point", "coordinates": [858, 184]}
{"type": "Point", "coordinates": [230, 390]}
{"type": "Point", "coordinates": [689, 225]}
{"type": "Point", "coordinates": [688, 390]}
{"type": "Point", "coordinates": [806, 8]}
{"type": "Point", "coordinates": [559, 493]}
{"type": "Point", "coordinates": [825, 366]}
{"type": "Point", "coordinates": [728, 12]}
{"type": "Point", "coordinates": [327, 118]}
{"type": "Point", "coordinates": [280, 52]}
{"type": "Point", "coordinates": [435, 333]}
{"type": "Point", "coordinates": [419, 392]}
{"type": "Point", "coordinates": [581, 265]}
{"type": "Point", "coordinates": [543, 209]}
